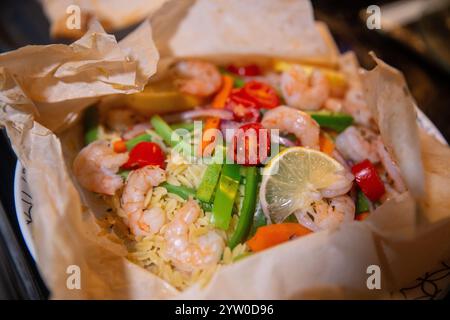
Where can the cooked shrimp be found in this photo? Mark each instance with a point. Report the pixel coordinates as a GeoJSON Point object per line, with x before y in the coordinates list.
{"type": "Point", "coordinates": [390, 166]}
{"type": "Point", "coordinates": [355, 105]}
{"type": "Point", "coordinates": [333, 104]}
{"type": "Point", "coordinates": [198, 78]}
{"type": "Point", "coordinates": [189, 255]}
{"type": "Point", "coordinates": [96, 165]}
{"type": "Point", "coordinates": [293, 121]}
{"type": "Point", "coordinates": [327, 213]}
{"type": "Point", "coordinates": [354, 146]}
{"type": "Point", "coordinates": [302, 91]}
{"type": "Point", "coordinates": [139, 183]}
{"type": "Point", "coordinates": [342, 185]}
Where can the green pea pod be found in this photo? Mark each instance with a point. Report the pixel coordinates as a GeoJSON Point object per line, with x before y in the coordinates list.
{"type": "Point", "coordinates": [166, 132]}
{"type": "Point", "coordinates": [332, 120]}
{"type": "Point", "coordinates": [185, 193]}
{"type": "Point", "coordinates": [209, 181]}
{"type": "Point", "coordinates": [225, 195]}
{"type": "Point", "coordinates": [248, 207]}
{"type": "Point", "coordinates": [91, 120]}
{"type": "Point", "coordinates": [130, 144]}
{"type": "Point", "coordinates": [189, 126]}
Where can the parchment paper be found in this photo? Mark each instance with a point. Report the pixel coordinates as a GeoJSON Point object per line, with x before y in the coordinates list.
{"type": "Point", "coordinates": [113, 14]}
{"type": "Point", "coordinates": [329, 264]}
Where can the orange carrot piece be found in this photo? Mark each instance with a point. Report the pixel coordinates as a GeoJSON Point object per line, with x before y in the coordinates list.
{"type": "Point", "coordinates": [362, 216]}
{"type": "Point", "coordinates": [273, 234]}
{"type": "Point", "coordinates": [120, 146]}
{"type": "Point", "coordinates": [222, 95]}
{"type": "Point", "coordinates": [218, 103]}
{"type": "Point", "coordinates": [326, 144]}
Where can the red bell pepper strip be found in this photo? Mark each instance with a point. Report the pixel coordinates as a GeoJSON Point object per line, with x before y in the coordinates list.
{"type": "Point", "coordinates": [262, 94]}
{"type": "Point", "coordinates": [145, 154]}
{"type": "Point", "coordinates": [368, 180]}
{"type": "Point", "coordinates": [245, 71]}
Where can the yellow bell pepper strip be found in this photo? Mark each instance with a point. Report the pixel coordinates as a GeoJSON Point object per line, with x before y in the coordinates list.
{"type": "Point", "coordinates": [337, 80]}
{"type": "Point", "coordinates": [91, 120]}
{"type": "Point", "coordinates": [209, 181]}
{"type": "Point", "coordinates": [225, 195]}
{"type": "Point", "coordinates": [248, 207]}
{"type": "Point", "coordinates": [274, 234]}
{"type": "Point", "coordinates": [218, 103]}
{"type": "Point", "coordinates": [326, 143]}
{"type": "Point", "coordinates": [337, 121]}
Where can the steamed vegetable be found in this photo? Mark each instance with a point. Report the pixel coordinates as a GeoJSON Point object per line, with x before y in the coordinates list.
{"type": "Point", "coordinates": [273, 234]}
{"type": "Point", "coordinates": [218, 103]}
{"type": "Point", "coordinates": [332, 120]}
{"type": "Point", "coordinates": [368, 180]}
{"type": "Point", "coordinates": [209, 181]}
{"type": "Point", "coordinates": [248, 207]}
{"type": "Point", "coordinates": [225, 195]}
{"type": "Point", "coordinates": [145, 154]}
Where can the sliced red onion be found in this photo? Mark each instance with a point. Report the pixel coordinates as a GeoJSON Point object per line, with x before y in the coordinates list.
{"type": "Point", "coordinates": [136, 130]}
{"type": "Point", "coordinates": [198, 113]}
{"type": "Point", "coordinates": [286, 142]}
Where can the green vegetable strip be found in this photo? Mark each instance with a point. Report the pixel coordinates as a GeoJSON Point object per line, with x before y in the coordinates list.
{"type": "Point", "coordinates": [189, 126]}
{"type": "Point", "coordinates": [134, 141]}
{"type": "Point", "coordinates": [166, 132]}
{"type": "Point", "coordinates": [163, 129]}
{"type": "Point", "coordinates": [225, 194]}
{"type": "Point", "coordinates": [332, 120]}
{"type": "Point", "coordinates": [248, 207]}
{"type": "Point", "coordinates": [208, 184]}
{"type": "Point", "coordinates": [362, 203]}
{"type": "Point", "coordinates": [90, 125]}
{"type": "Point", "coordinates": [185, 193]}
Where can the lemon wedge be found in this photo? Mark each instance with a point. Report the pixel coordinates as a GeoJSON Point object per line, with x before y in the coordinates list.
{"type": "Point", "coordinates": [161, 97]}
{"type": "Point", "coordinates": [293, 179]}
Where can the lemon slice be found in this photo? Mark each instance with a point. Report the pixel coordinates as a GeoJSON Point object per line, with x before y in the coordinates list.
{"type": "Point", "coordinates": [293, 179]}
{"type": "Point", "coordinates": [161, 97]}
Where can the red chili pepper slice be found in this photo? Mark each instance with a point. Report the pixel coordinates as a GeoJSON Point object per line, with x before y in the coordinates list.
{"type": "Point", "coordinates": [250, 70]}
{"type": "Point", "coordinates": [145, 154]}
{"type": "Point", "coordinates": [262, 94]}
{"type": "Point", "coordinates": [368, 180]}
{"type": "Point", "coordinates": [252, 144]}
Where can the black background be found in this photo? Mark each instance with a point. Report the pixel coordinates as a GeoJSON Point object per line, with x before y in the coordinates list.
{"type": "Point", "coordinates": [22, 22]}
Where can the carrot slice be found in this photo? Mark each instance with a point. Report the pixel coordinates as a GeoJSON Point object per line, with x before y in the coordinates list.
{"type": "Point", "coordinates": [273, 234]}
{"type": "Point", "coordinates": [218, 103]}
{"type": "Point", "coordinates": [362, 216]}
{"type": "Point", "coordinates": [326, 144]}
{"type": "Point", "coordinates": [120, 146]}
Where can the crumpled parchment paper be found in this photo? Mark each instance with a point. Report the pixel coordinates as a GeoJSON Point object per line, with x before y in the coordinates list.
{"type": "Point", "coordinates": [328, 264]}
